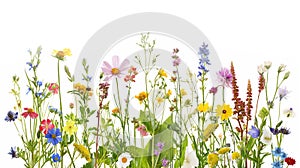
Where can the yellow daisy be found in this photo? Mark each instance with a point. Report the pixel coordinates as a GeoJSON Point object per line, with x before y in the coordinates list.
{"type": "Point", "coordinates": [224, 111]}
{"type": "Point", "coordinates": [203, 107]}
{"type": "Point", "coordinates": [224, 150]}
{"type": "Point", "coordinates": [70, 127]}
{"type": "Point", "coordinates": [162, 73]}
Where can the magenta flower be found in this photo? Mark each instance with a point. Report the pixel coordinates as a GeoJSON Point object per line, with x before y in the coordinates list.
{"type": "Point", "coordinates": [225, 77]}
{"type": "Point", "coordinates": [142, 130]}
{"type": "Point", "coordinates": [116, 69]}
{"type": "Point", "coordinates": [53, 87]}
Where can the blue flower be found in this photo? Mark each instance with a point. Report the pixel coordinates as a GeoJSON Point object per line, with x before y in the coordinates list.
{"type": "Point", "coordinates": [11, 116]}
{"type": "Point", "coordinates": [38, 94]}
{"type": "Point", "coordinates": [54, 110]}
{"type": "Point", "coordinates": [254, 132]}
{"type": "Point", "coordinates": [13, 152]}
{"type": "Point", "coordinates": [276, 164]}
{"type": "Point", "coordinates": [56, 157]}
{"type": "Point", "coordinates": [39, 83]}
{"type": "Point", "coordinates": [54, 136]}
{"type": "Point", "coordinates": [203, 50]}
{"type": "Point", "coordinates": [203, 61]}
{"type": "Point", "coordinates": [28, 90]}
{"type": "Point", "coordinates": [277, 152]}
{"type": "Point", "coordinates": [283, 155]}
{"type": "Point", "coordinates": [30, 65]}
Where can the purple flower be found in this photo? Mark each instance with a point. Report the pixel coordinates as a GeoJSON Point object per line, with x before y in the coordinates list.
{"type": "Point", "coordinates": [254, 132]}
{"type": "Point", "coordinates": [160, 145]}
{"type": "Point", "coordinates": [39, 83]}
{"type": "Point", "coordinates": [274, 131]}
{"type": "Point", "coordinates": [13, 152]}
{"type": "Point", "coordinates": [203, 61]}
{"type": "Point", "coordinates": [213, 90]}
{"type": "Point", "coordinates": [156, 152]}
{"type": "Point", "coordinates": [284, 131]}
{"type": "Point", "coordinates": [282, 93]}
{"type": "Point", "coordinates": [165, 162]}
{"type": "Point", "coordinates": [176, 61]}
{"type": "Point", "coordinates": [11, 116]}
{"type": "Point", "coordinates": [225, 77]}
{"type": "Point", "coordinates": [116, 69]}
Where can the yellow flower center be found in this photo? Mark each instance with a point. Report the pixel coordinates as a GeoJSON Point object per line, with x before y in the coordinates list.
{"type": "Point", "coordinates": [30, 110]}
{"type": "Point", "coordinates": [115, 71]}
{"type": "Point", "coordinates": [53, 136]}
{"type": "Point", "coordinates": [124, 159]}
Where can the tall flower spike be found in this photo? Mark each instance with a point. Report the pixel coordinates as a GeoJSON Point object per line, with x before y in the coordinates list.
{"type": "Point", "coordinates": [249, 101]}
{"type": "Point", "coordinates": [261, 83]}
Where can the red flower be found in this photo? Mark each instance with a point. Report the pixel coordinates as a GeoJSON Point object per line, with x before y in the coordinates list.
{"type": "Point", "coordinates": [29, 112]}
{"type": "Point", "coordinates": [290, 161]}
{"type": "Point", "coordinates": [53, 87]}
{"type": "Point", "coordinates": [46, 125]}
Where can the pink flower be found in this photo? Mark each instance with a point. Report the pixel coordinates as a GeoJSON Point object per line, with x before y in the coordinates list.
{"type": "Point", "coordinates": [29, 112]}
{"type": "Point", "coordinates": [142, 130]}
{"type": "Point", "coordinates": [46, 125]}
{"type": "Point", "coordinates": [53, 87]}
{"type": "Point", "coordinates": [225, 77]}
{"type": "Point", "coordinates": [114, 70]}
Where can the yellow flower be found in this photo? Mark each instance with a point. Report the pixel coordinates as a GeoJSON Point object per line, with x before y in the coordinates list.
{"type": "Point", "coordinates": [70, 127]}
{"type": "Point", "coordinates": [115, 110]}
{"type": "Point", "coordinates": [83, 151]}
{"type": "Point", "coordinates": [60, 54]}
{"type": "Point", "coordinates": [224, 150]}
{"type": "Point", "coordinates": [224, 111]}
{"type": "Point", "coordinates": [169, 93]}
{"type": "Point", "coordinates": [159, 100]}
{"type": "Point", "coordinates": [183, 92]}
{"type": "Point", "coordinates": [203, 107]}
{"type": "Point", "coordinates": [162, 73]}
{"type": "Point", "coordinates": [235, 155]}
{"type": "Point", "coordinates": [212, 159]}
{"type": "Point", "coordinates": [141, 96]}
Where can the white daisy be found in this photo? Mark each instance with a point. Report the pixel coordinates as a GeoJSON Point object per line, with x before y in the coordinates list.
{"type": "Point", "coordinates": [124, 160]}
{"type": "Point", "coordinates": [191, 159]}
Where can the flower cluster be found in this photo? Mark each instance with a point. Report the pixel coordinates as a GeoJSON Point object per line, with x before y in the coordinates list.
{"type": "Point", "coordinates": [177, 120]}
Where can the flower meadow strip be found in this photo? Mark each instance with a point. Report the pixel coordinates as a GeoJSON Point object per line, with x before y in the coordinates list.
{"type": "Point", "coordinates": [176, 126]}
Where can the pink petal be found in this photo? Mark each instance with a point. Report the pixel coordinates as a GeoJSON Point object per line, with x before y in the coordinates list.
{"type": "Point", "coordinates": [124, 65]}
{"type": "Point", "coordinates": [106, 65]}
{"type": "Point", "coordinates": [115, 61]}
{"type": "Point", "coordinates": [106, 71]}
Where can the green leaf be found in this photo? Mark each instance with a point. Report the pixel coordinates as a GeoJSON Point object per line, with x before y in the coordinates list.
{"type": "Point", "coordinates": [263, 113]}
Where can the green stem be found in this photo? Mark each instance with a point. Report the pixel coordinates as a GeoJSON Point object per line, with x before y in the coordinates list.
{"type": "Point", "coordinates": [60, 108]}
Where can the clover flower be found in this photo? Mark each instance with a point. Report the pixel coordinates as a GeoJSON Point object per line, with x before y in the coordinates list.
{"type": "Point", "coordinates": [11, 116]}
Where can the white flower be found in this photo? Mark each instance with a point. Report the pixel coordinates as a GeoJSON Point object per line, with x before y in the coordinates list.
{"type": "Point", "coordinates": [261, 69]}
{"type": "Point", "coordinates": [266, 137]}
{"type": "Point", "coordinates": [191, 159]}
{"type": "Point", "coordinates": [289, 113]}
{"type": "Point", "coordinates": [124, 160]}
{"type": "Point", "coordinates": [268, 64]}
{"type": "Point", "coordinates": [281, 68]}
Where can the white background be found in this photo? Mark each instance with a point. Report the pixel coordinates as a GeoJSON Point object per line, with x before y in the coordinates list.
{"type": "Point", "coordinates": [243, 32]}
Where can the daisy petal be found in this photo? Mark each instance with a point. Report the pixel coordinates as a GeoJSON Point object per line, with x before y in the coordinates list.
{"type": "Point", "coordinates": [115, 61]}
{"type": "Point", "coordinates": [124, 65]}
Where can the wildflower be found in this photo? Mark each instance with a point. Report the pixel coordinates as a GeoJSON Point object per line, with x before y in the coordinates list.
{"type": "Point", "coordinates": [159, 100]}
{"type": "Point", "coordinates": [124, 160]}
{"type": "Point", "coordinates": [203, 107]}
{"type": "Point", "coordinates": [165, 162]}
{"type": "Point", "coordinates": [212, 159]}
{"type": "Point", "coordinates": [235, 155]}
{"type": "Point", "coordinates": [290, 161]}
{"type": "Point", "coordinates": [56, 157]}
{"type": "Point", "coordinates": [71, 105]}
{"type": "Point", "coordinates": [274, 131]}
{"type": "Point", "coordinates": [225, 77]}
{"type": "Point", "coordinates": [267, 64]}
{"type": "Point", "coordinates": [284, 131]}
{"type": "Point", "coordinates": [254, 132]}
{"type": "Point", "coordinates": [183, 92]}
{"type": "Point", "coordinates": [54, 136]}
{"type": "Point", "coordinates": [141, 96]}
{"type": "Point", "coordinates": [11, 116]}
{"type": "Point", "coordinates": [60, 54]}
{"type": "Point", "coordinates": [160, 145]}
{"type": "Point", "coordinates": [289, 113]}
{"type": "Point", "coordinates": [83, 151]}
{"type": "Point", "coordinates": [261, 69]}
{"type": "Point", "coordinates": [169, 93]}
{"type": "Point", "coordinates": [224, 111]}
{"type": "Point", "coordinates": [39, 83]}
{"type": "Point", "coordinates": [266, 137]}
{"type": "Point", "coordinates": [277, 164]}
{"type": "Point", "coordinates": [224, 150]}
{"type": "Point", "coordinates": [30, 65]}
{"type": "Point", "coordinates": [142, 130]}
{"type": "Point", "coordinates": [80, 87]}
{"type": "Point", "coordinates": [283, 155]}
{"type": "Point", "coordinates": [277, 152]}
{"type": "Point", "coordinates": [29, 112]}
{"type": "Point", "coordinates": [115, 110]}
{"type": "Point", "coordinates": [213, 90]}
{"type": "Point", "coordinates": [162, 73]}
{"type": "Point", "coordinates": [282, 93]}
{"type": "Point", "coordinates": [131, 76]}
{"type": "Point", "coordinates": [13, 152]}
{"type": "Point", "coordinates": [46, 125]}
{"type": "Point", "coordinates": [204, 51]}
{"type": "Point", "coordinates": [70, 127]}
{"type": "Point", "coordinates": [281, 68]}
{"type": "Point", "coordinates": [190, 159]}
{"type": "Point", "coordinates": [54, 110]}
{"type": "Point", "coordinates": [176, 61]}
{"type": "Point", "coordinates": [203, 61]}
{"type": "Point", "coordinates": [53, 87]}
{"type": "Point", "coordinates": [114, 70]}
